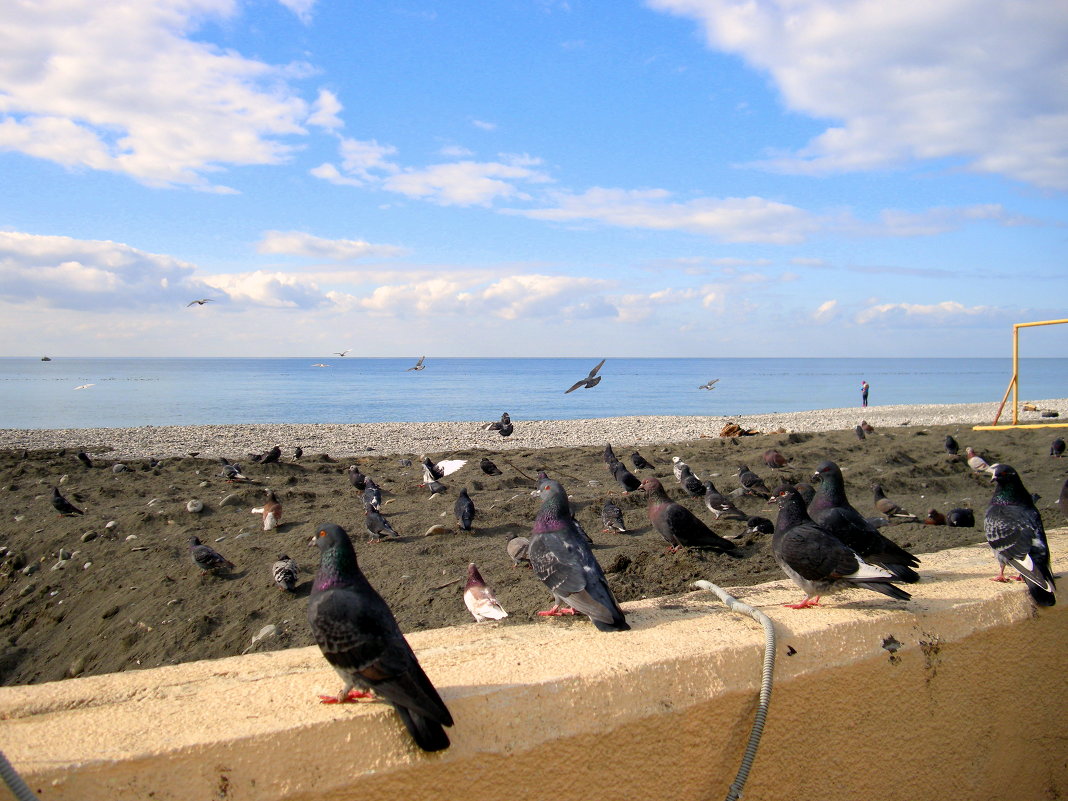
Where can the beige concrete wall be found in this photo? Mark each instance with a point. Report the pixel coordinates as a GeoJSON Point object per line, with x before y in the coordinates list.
{"type": "Point", "coordinates": [973, 704]}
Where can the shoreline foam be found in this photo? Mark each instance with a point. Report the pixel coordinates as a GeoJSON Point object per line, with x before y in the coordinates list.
{"type": "Point", "coordinates": [350, 439]}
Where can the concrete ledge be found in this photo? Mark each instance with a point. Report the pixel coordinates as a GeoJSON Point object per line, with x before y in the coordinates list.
{"type": "Point", "coordinates": [972, 701]}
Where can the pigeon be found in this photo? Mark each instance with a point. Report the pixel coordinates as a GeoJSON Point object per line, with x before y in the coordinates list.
{"type": "Point", "coordinates": [207, 558]}
{"type": "Point", "coordinates": [817, 561]}
{"type": "Point", "coordinates": [752, 483]}
{"type": "Point", "coordinates": [589, 381]}
{"type": "Point", "coordinates": [285, 572]}
{"type": "Point", "coordinates": [609, 455]}
{"type": "Point", "coordinates": [759, 525]}
{"type": "Point", "coordinates": [63, 506]}
{"type": "Point", "coordinates": [83, 457]}
{"type": "Point", "coordinates": [720, 506]}
{"type": "Point", "coordinates": [887, 506]}
{"type": "Point", "coordinates": [198, 302]}
{"type": "Point", "coordinates": [640, 462]}
{"type": "Point", "coordinates": [372, 494]}
{"type": "Point", "coordinates": [271, 511]}
{"type": "Point", "coordinates": [934, 518]}
{"type": "Point", "coordinates": [298, 452]}
{"type": "Point", "coordinates": [435, 487]}
{"type": "Point", "coordinates": [500, 424]}
{"type": "Point", "coordinates": [360, 638]}
{"type": "Point", "coordinates": [691, 484]}
{"type": "Point", "coordinates": [677, 466]}
{"type": "Point", "coordinates": [831, 509]}
{"type": "Point", "coordinates": [806, 491]}
{"type": "Point", "coordinates": [709, 385]}
{"type": "Point", "coordinates": [566, 565]}
{"type": "Point", "coordinates": [951, 446]}
{"type": "Point", "coordinates": [866, 427]}
{"type": "Point", "coordinates": [479, 598]}
{"type": "Point", "coordinates": [1062, 499]}
{"type": "Point", "coordinates": [625, 478]}
{"type": "Point", "coordinates": [417, 366]}
{"type": "Point", "coordinates": [378, 526]}
{"type": "Point", "coordinates": [446, 467]}
{"type": "Point", "coordinates": [677, 524]}
{"type": "Point", "coordinates": [612, 517]}
{"type": "Point", "coordinates": [976, 462]}
{"type": "Point", "coordinates": [1056, 448]}
{"type": "Point", "coordinates": [464, 509]}
{"type": "Point", "coordinates": [517, 548]}
{"type": "Point", "coordinates": [1013, 528]}
{"type": "Point", "coordinates": [489, 468]}
{"type": "Point", "coordinates": [232, 472]}
{"type": "Point", "coordinates": [356, 478]}
{"type": "Point", "coordinates": [859, 432]}
{"type": "Point", "coordinates": [506, 429]}
{"type": "Point", "coordinates": [272, 456]}
{"type": "Point", "coordinates": [774, 459]}
{"type": "Point", "coordinates": [960, 518]}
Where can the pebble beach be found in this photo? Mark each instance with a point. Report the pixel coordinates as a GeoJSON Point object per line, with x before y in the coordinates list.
{"type": "Point", "coordinates": [352, 439]}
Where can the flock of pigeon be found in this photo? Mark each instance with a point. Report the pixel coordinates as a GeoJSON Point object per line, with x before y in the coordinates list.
{"type": "Point", "coordinates": [819, 540]}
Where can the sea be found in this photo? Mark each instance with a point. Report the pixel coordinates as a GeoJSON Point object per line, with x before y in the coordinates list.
{"type": "Point", "coordinates": [130, 392]}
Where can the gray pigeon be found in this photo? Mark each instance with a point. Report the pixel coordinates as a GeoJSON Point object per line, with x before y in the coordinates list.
{"type": "Point", "coordinates": [951, 445]}
{"type": "Point", "coordinates": [62, 505]}
{"type": "Point", "coordinates": [640, 462]}
{"type": "Point", "coordinates": [564, 562]}
{"type": "Point", "coordinates": [377, 525]}
{"type": "Point", "coordinates": [83, 457]}
{"type": "Point", "coordinates": [360, 638]}
{"type": "Point", "coordinates": [691, 484]}
{"type": "Point", "coordinates": [207, 558]}
{"type": "Point", "coordinates": [960, 518]}
{"type": "Point", "coordinates": [517, 548]}
{"type": "Point", "coordinates": [372, 494]}
{"type": "Point", "coordinates": [721, 507]}
{"type": "Point", "coordinates": [752, 483]}
{"type": "Point", "coordinates": [1056, 447]}
{"type": "Point", "coordinates": [489, 468]}
{"type": "Point", "coordinates": [589, 381]}
{"type": "Point", "coordinates": [1013, 528]}
{"type": "Point", "coordinates": [285, 573]}
{"type": "Point", "coordinates": [677, 524]}
{"type": "Point", "coordinates": [817, 561]}
{"type": "Point", "coordinates": [612, 517]}
{"type": "Point", "coordinates": [356, 478]}
{"type": "Point", "coordinates": [464, 509]}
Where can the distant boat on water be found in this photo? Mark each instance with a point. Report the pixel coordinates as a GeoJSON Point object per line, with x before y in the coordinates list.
{"type": "Point", "coordinates": [46, 358]}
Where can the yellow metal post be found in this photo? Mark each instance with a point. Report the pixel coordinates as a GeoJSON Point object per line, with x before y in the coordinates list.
{"type": "Point", "coordinates": [1015, 374]}
{"type": "Point", "coordinates": [1014, 383]}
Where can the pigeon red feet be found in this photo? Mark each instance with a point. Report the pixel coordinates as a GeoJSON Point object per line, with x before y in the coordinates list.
{"type": "Point", "coordinates": [352, 697]}
{"type": "Point", "coordinates": [805, 604]}
{"type": "Point", "coordinates": [557, 611]}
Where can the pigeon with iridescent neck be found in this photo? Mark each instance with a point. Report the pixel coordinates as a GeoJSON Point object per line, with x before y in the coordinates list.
{"type": "Point", "coordinates": [1013, 528]}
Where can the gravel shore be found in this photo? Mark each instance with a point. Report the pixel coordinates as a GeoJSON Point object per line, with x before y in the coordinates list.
{"type": "Point", "coordinates": [351, 439]}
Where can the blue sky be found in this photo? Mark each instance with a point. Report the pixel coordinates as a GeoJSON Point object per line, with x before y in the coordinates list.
{"type": "Point", "coordinates": [530, 178]}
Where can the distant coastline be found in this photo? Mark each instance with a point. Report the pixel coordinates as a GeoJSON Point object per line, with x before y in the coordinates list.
{"type": "Point", "coordinates": [345, 440]}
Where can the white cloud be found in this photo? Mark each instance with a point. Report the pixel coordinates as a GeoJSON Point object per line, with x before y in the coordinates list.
{"type": "Point", "coordinates": [483, 125]}
{"type": "Point", "coordinates": [325, 110]}
{"type": "Point", "coordinates": [948, 312]}
{"type": "Point", "coordinates": [827, 310]}
{"type": "Point", "coordinates": [464, 183]}
{"type": "Point", "coordinates": [275, 290]}
{"type": "Point", "coordinates": [65, 273]}
{"type": "Point", "coordinates": [298, 243]}
{"type": "Point", "coordinates": [749, 219]}
{"type": "Point", "coordinates": [983, 81]}
{"type": "Point", "coordinates": [302, 8]}
{"type": "Point", "coordinates": [120, 87]}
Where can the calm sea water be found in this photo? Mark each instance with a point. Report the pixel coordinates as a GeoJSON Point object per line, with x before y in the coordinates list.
{"type": "Point", "coordinates": [179, 391]}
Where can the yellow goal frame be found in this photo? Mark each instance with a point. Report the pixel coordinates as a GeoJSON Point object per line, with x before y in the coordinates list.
{"type": "Point", "coordinates": [1014, 386]}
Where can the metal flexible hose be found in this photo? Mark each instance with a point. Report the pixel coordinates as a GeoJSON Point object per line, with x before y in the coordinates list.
{"type": "Point", "coordinates": [14, 782]}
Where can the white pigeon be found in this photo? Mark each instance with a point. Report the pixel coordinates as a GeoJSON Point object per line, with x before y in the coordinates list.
{"type": "Point", "coordinates": [678, 467]}
{"type": "Point", "coordinates": [977, 463]}
{"type": "Point", "coordinates": [479, 598]}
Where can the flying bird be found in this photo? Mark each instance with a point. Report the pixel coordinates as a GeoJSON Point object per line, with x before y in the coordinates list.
{"type": "Point", "coordinates": [566, 565]}
{"type": "Point", "coordinates": [63, 506]}
{"type": "Point", "coordinates": [285, 573]}
{"type": "Point", "coordinates": [677, 524]}
{"type": "Point", "coordinates": [342, 353]}
{"type": "Point", "coordinates": [207, 558]}
{"type": "Point", "coordinates": [479, 598]}
{"type": "Point", "coordinates": [709, 385]}
{"type": "Point", "coordinates": [1013, 528]}
{"type": "Point", "coordinates": [589, 381]}
{"type": "Point", "coordinates": [817, 561]}
{"type": "Point", "coordinates": [198, 302]}
{"type": "Point", "coordinates": [417, 366]}
{"type": "Point", "coordinates": [85, 386]}
{"type": "Point", "coordinates": [360, 638]}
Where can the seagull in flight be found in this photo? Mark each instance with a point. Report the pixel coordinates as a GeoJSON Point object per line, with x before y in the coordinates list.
{"type": "Point", "coordinates": [418, 365]}
{"type": "Point", "coordinates": [710, 385]}
{"type": "Point", "coordinates": [320, 364]}
{"type": "Point", "coordinates": [198, 302]}
{"type": "Point", "coordinates": [342, 353]}
{"type": "Point", "coordinates": [85, 386]}
{"type": "Point", "coordinates": [589, 381]}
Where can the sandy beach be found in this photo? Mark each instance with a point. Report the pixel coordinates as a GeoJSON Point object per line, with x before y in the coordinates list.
{"type": "Point", "coordinates": [116, 589]}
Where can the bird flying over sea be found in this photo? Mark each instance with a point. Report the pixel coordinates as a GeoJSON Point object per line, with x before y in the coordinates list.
{"type": "Point", "coordinates": [342, 353]}
{"type": "Point", "coordinates": [85, 386]}
{"type": "Point", "coordinates": [417, 366]}
{"type": "Point", "coordinates": [589, 381]}
{"type": "Point", "coordinates": [710, 385]}
{"type": "Point", "coordinates": [198, 302]}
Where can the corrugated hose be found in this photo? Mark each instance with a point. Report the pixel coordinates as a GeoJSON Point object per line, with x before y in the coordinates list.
{"type": "Point", "coordinates": [735, 605]}
{"type": "Point", "coordinates": [14, 782]}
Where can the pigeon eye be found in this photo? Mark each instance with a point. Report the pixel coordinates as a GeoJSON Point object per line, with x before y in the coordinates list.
{"type": "Point", "coordinates": [322, 533]}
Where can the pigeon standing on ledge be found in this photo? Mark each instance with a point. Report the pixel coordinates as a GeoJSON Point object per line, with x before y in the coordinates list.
{"type": "Point", "coordinates": [1013, 528]}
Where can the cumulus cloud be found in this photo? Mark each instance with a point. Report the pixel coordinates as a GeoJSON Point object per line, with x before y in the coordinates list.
{"type": "Point", "coordinates": [269, 289]}
{"type": "Point", "coordinates": [65, 273]}
{"type": "Point", "coordinates": [827, 310]}
{"type": "Point", "coordinates": [748, 219]}
{"type": "Point", "coordinates": [298, 243]}
{"type": "Point", "coordinates": [325, 111]}
{"type": "Point", "coordinates": [302, 8]}
{"type": "Point", "coordinates": [982, 81]}
{"type": "Point", "coordinates": [946, 313]}
{"type": "Point", "coordinates": [122, 87]}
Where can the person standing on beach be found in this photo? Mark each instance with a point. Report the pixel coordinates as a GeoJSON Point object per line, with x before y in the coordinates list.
{"type": "Point", "coordinates": [863, 393]}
